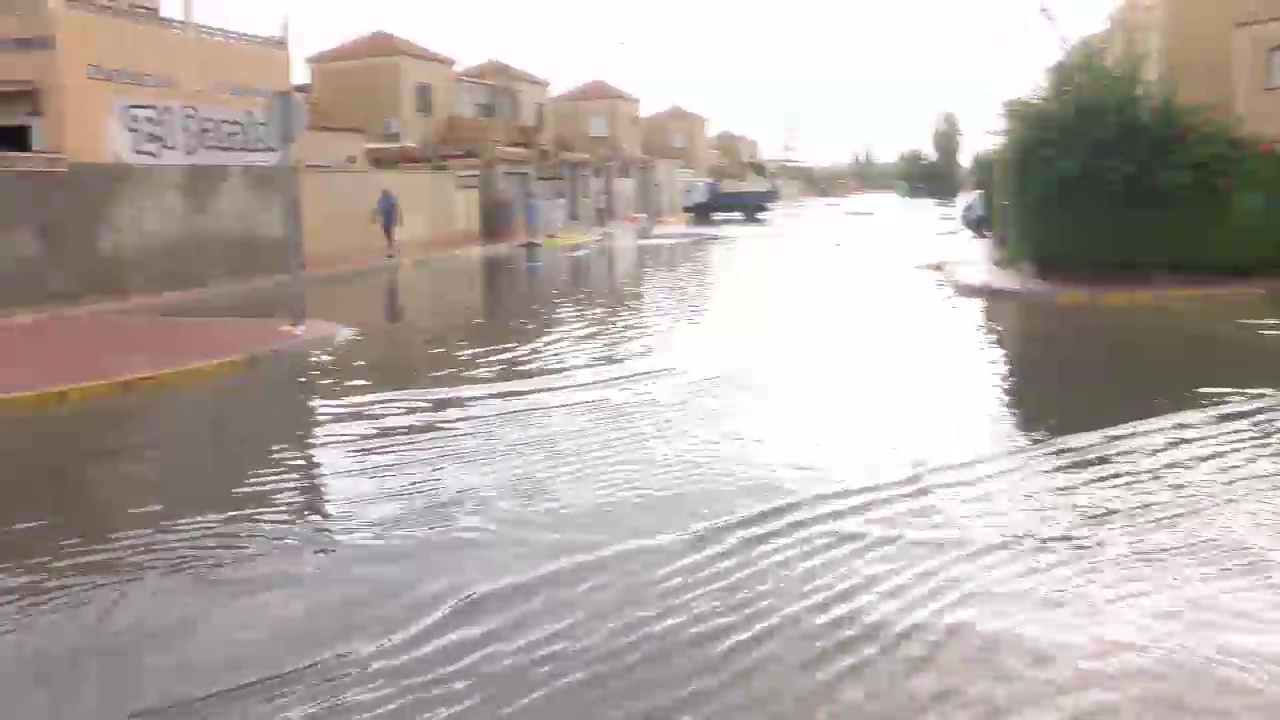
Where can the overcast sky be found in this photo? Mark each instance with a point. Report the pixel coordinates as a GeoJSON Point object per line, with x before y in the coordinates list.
{"type": "Point", "coordinates": [845, 74]}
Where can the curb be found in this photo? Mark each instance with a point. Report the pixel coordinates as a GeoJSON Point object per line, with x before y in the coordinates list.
{"type": "Point", "coordinates": [203, 369]}
{"type": "Point", "coordinates": [1081, 296]}
{"type": "Point", "coordinates": [1118, 298]}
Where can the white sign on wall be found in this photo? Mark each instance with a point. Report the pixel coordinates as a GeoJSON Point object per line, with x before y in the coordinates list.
{"type": "Point", "coordinates": [161, 133]}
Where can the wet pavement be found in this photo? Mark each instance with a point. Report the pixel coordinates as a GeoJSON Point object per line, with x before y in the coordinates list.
{"type": "Point", "coordinates": [781, 473]}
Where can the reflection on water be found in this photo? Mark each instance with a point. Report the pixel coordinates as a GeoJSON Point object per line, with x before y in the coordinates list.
{"type": "Point", "coordinates": [99, 494]}
{"type": "Point", "coordinates": [782, 473]}
{"type": "Point", "coordinates": [1074, 369]}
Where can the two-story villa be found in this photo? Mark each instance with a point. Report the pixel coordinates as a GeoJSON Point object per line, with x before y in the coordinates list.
{"type": "Point", "coordinates": [678, 134]}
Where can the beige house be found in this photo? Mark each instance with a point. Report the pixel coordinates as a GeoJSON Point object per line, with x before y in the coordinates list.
{"type": "Point", "coordinates": [600, 120]}
{"type": "Point", "coordinates": [521, 99]}
{"type": "Point", "coordinates": [1217, 53]}
{"type": "Point", "coordinates": [677, 134]}
{"type": "Point", "coordinates": [598, 126]}
{"type": "Point", "coordinates": [730, 154]}
{"type": "Point", "coordinates": [414, 106]}
{"type": "Point", "coordinates": [395, 91]}
{"type": "Point", "coordinates": [1255, 61]}
{"type": "Point", "coordinates": [112, 81]}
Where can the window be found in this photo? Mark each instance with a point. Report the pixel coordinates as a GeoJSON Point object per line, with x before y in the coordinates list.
{"type": "Point", "coordinates": [505, 104]}
{"type": "Point", "coordinates": [539, 115]}
{"type": "Point", "coordinates": [1273, 68]}
{"type": "Point", "coordinates": [422, 98]}
{"type": "Point", "coordinates": [20, 44]}
{"type": "Point", "coordinates": [677, 140]}
{"type": "Point", "coordinates": [598, 126]}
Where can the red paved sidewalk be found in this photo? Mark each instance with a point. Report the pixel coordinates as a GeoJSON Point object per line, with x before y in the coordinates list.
{"type": "Point", "coordinates": [57, 353]}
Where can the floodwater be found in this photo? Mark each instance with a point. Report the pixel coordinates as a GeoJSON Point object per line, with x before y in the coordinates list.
{"type": "Point", "coordinates": [780, 473]}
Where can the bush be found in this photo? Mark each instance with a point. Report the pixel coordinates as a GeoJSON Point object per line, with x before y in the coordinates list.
{"type": "Point", "coordinates": [1108, 173]}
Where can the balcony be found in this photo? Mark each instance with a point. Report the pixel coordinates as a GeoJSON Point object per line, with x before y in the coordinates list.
{"type": "Point", "coordinates": [463, 132]}
{"type": "Point", "coordinates": [32, 161]}
{"type": "Point", "coordinates": [475, 132]}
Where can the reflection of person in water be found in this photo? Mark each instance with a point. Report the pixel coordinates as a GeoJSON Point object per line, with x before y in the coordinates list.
{"type": "Point", "coordinates": [392, 310]}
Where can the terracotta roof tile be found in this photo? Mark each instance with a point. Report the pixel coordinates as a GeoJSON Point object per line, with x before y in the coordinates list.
{"type": "Point", "coordinates": [676, 110]}
{"type": "Point", "coordinates": [491, 69]}
{"type": "Point", "coordinates": [596, 90]}
{"type": "Point", "coordinates": [378, 44]}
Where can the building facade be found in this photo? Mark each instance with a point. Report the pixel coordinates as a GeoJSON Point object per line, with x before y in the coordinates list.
{"type": "Point", "coordinates": [1255, 56]}
{"type": "Point", "coordinates": [415, 107]}
{"type": "Point", "coordinates": [520, 99]}
{"type": "Point", "coordinates": [393, 90]}
{"type": "Point", "coordinates": [678, 134]}
{"type": "Point", "coordinates": [600, 120]}
{"type": "Point", "coordinates": [105, 81]}
{"type": "Point", "coordinates": [1221, 54]}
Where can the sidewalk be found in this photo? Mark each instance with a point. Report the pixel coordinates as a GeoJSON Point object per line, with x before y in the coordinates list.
{"type": "Point", "coordinates": [58, 358]}
{"type": "Point", "coordinates": [982, 277]}
{"type": "Point", "coordinates": [50, 355]}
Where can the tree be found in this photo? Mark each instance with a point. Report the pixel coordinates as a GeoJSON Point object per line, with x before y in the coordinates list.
{"type": "Point", "coordinates": [946, 146]}
{"type": "Point", "coordinates": [913, 172]}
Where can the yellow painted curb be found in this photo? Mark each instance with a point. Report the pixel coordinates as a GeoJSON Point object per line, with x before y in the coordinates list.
{"type": "Point", "coordinates": [99, 388]}
{"type": "Point", "coordinates": [50, 397]}
{"type": "Point", "coordinates": [567, 239]}
{"type": "Point", "coordinates": [1116, 298]}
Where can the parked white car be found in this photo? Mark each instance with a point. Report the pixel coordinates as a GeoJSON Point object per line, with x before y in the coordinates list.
{"type": "Point", "coordinates": [975, 216]}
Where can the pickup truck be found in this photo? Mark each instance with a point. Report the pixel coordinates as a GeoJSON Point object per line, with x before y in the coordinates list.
{"type": "Point", "coordinates": [703, 197]}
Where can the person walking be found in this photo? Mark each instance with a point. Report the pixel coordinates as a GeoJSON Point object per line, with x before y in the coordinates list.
{"type": "Point", "coordinates": [532, 219]}
{"type": "Point", "coordinates": [386, 213]}
{"type": "Point", "coordinates": [602, 205]}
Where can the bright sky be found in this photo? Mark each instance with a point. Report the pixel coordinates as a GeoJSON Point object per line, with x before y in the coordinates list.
{"type": "Point", "coordinates": [848, 74]}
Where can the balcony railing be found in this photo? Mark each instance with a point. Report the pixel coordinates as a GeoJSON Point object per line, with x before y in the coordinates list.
{"type": "Point", "coordinates": [146, 17]}
{"type": "Point", "coordinates": [470, 131]}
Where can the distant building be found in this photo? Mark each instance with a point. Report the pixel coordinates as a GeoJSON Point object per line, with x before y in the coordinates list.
{"type": "Point", "coordinates": [599, 119]}
{"type": "Point", "coordinates": [115, 81]}
{"type": "Point", "coordinates": [731, 153]}
{"type": "Point", "coordinates": [678, 134]}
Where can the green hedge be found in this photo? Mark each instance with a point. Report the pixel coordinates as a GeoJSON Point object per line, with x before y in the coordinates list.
{"type": "Point", "coordinates": [1104, 173]}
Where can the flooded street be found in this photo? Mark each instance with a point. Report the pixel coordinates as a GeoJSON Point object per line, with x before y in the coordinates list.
{"type": "Point", "coordinates": [782, 472]}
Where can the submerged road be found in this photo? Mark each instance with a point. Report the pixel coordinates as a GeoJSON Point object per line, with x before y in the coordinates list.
{"type": "Point", "coordinates": [781, 473]}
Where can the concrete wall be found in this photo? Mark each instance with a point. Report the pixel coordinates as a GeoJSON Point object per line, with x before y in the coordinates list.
{"type": "Point", "coordinates": [338, 223]}
{"type": "Point", "coordinates": [108, 230]}
{"type": "Point", "coordinates": [331, 148]}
